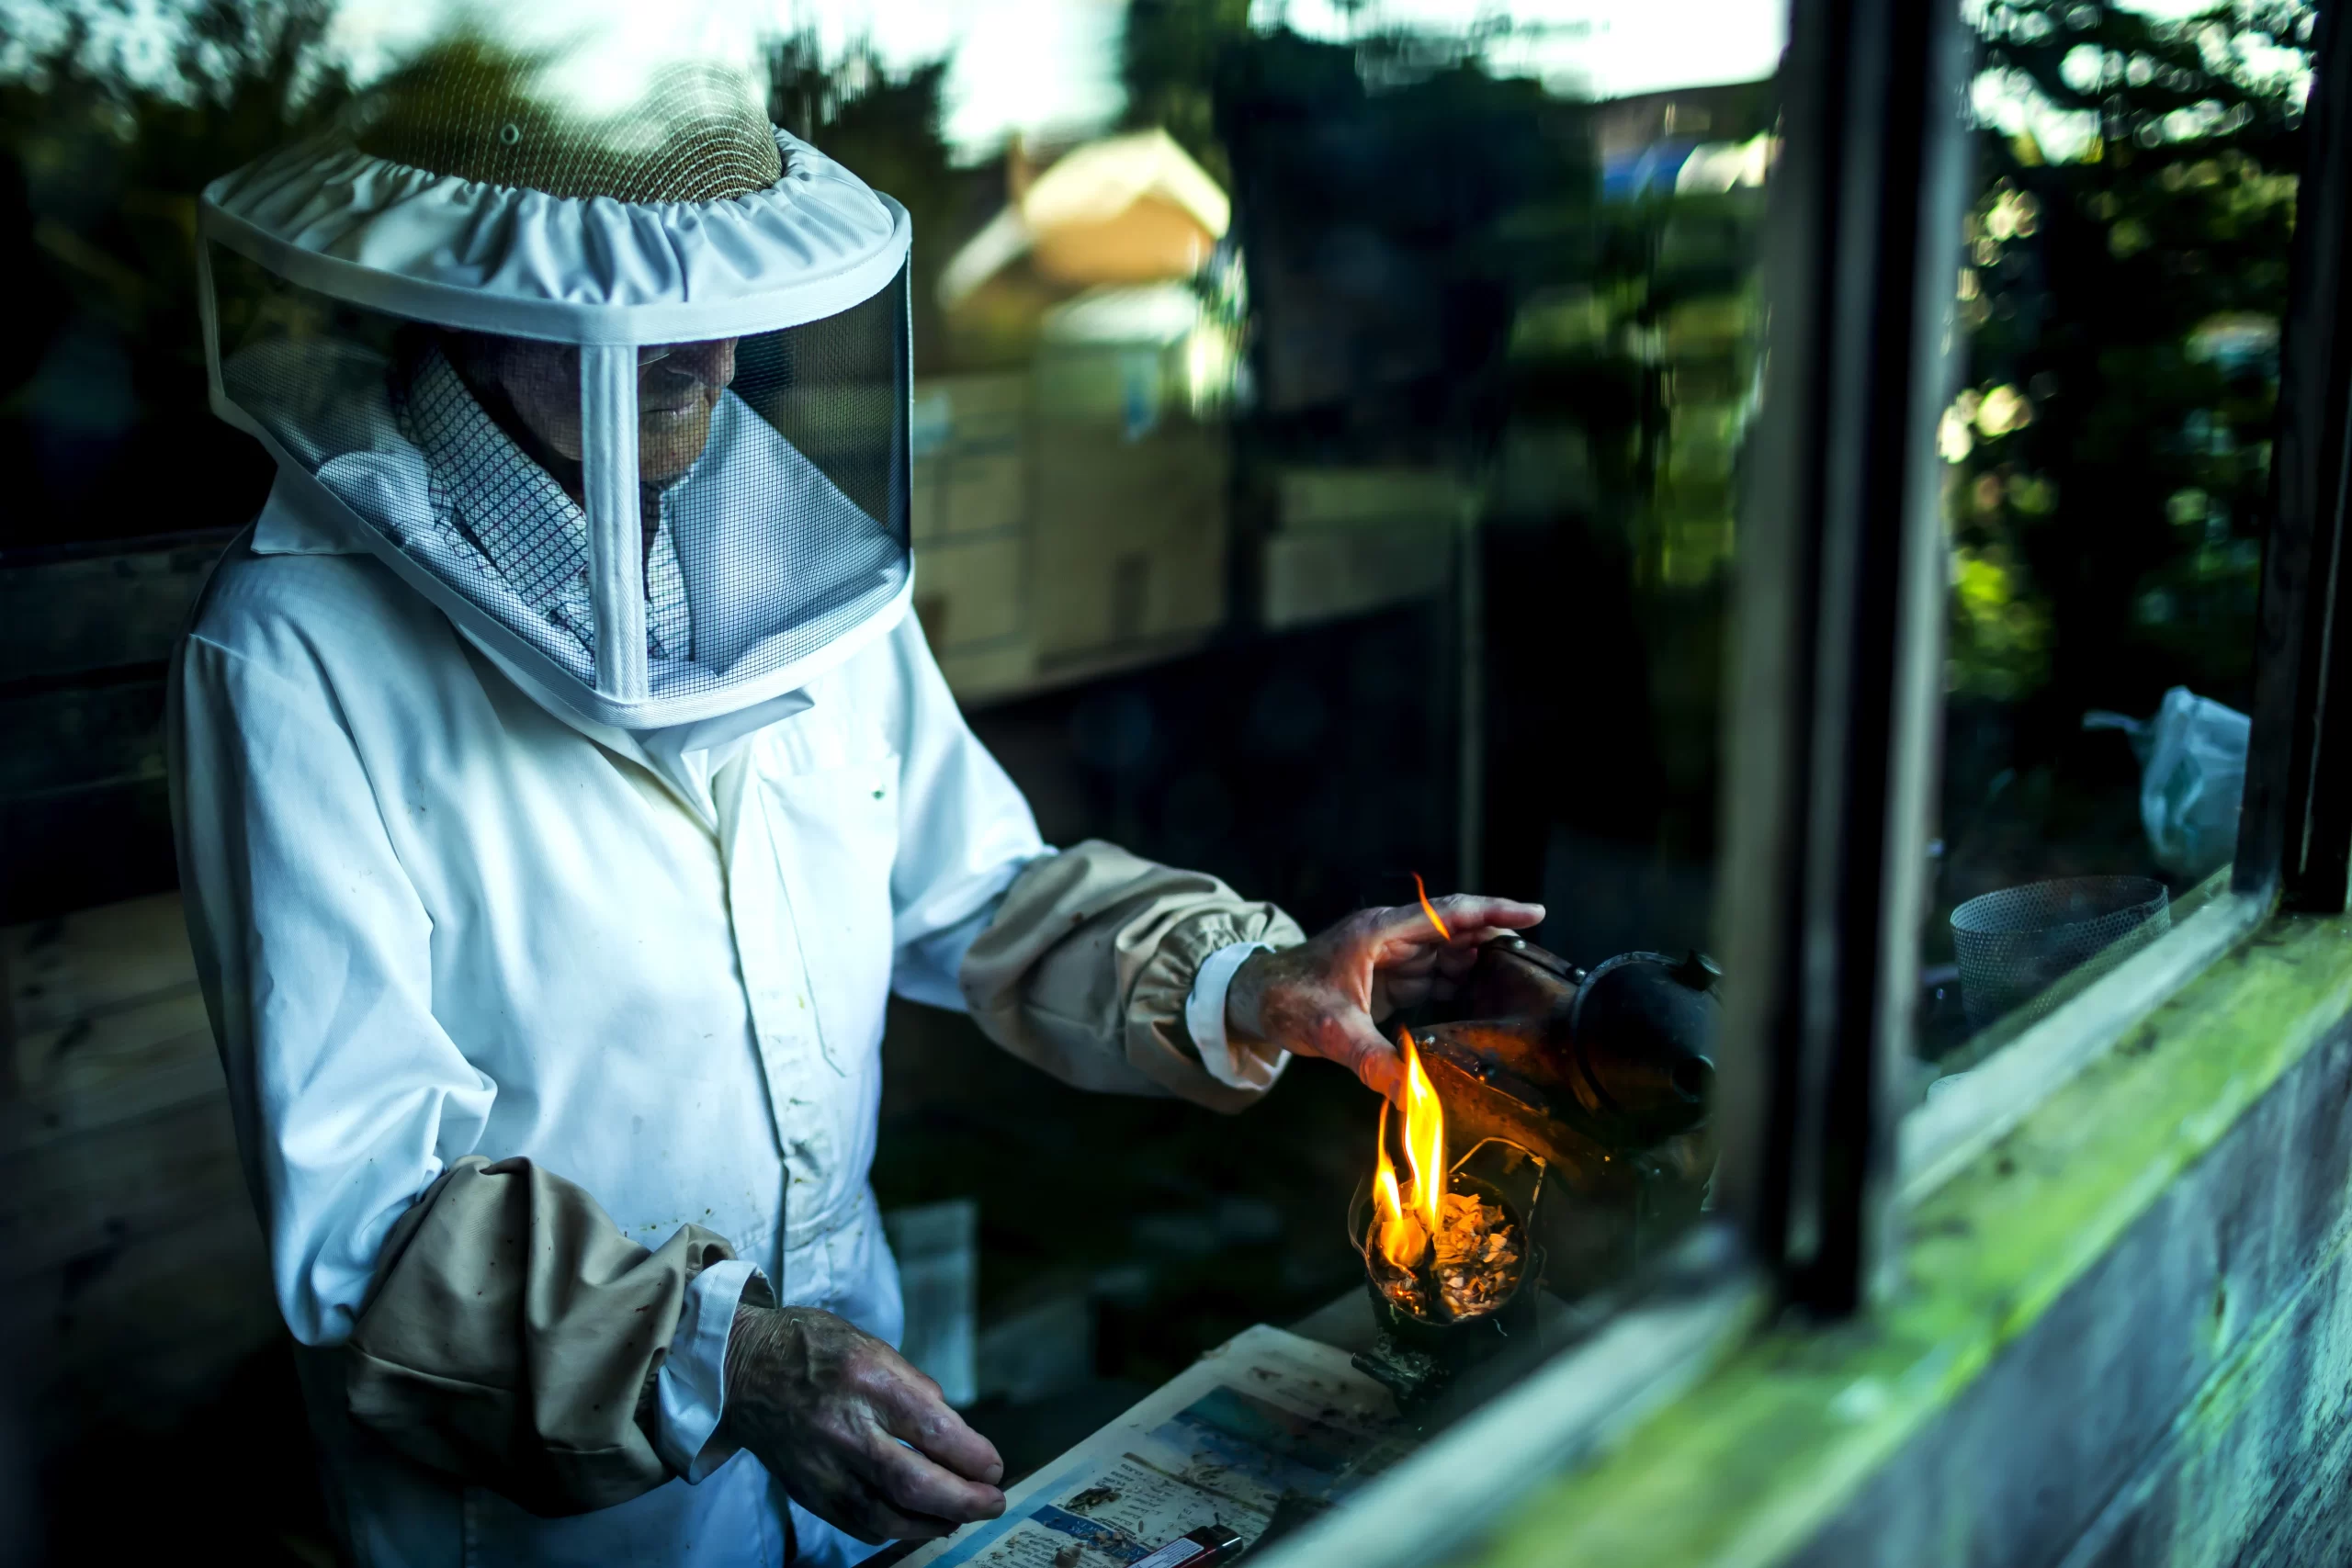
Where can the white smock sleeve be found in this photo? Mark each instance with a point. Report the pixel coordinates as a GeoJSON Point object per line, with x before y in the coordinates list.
{"type": "Point", "coordinates": [390, 1237]}
{"type": "Point", "coordinates": [965, 831]}
{"type": "Point", "coordinates": [313, 949]}
{"type": "Point", "coordinates": [1107, 970]}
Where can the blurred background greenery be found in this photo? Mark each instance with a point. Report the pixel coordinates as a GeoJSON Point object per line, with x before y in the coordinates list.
{"type": "Point", "coordinates": [2107, 452]}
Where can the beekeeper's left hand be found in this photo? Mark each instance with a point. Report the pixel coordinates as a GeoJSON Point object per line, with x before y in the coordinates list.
{"type": "Point", "coordinates": [1328, 997]}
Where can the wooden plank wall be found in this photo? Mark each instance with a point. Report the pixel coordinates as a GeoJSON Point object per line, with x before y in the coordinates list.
{"type": "Point", "coordinates": [84, 633]}
{"type": "Point", "coordinates": [133, 1283]}
{"type": "Point", "coordinates": [2188, 1402]}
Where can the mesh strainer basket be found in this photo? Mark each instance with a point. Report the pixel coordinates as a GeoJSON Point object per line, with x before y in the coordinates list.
{"type": "Point", "coordinates": [2014, 945]}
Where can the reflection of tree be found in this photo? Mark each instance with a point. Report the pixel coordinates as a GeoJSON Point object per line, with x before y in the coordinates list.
{"type": "Point", "coordinates": [1633, 346]}
{"type": "Point", "coordinates": [1168, 56]}
{"type": "Point", "coordinates": [1394, 203]}
{"type": "Point", "coordinates": [102, 402]}
{"type": "Point", "coordinates": [2109, 454]}
{"type": "Point", "coordinates": [885, 127]}
{"type": "Point", "coordinates": [105, 416]}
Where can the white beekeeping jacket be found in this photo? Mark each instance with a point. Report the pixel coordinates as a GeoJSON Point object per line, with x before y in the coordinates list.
{"type": "Point", "coordinates": [439, 919]}
{"type": "Point", "coordinates": [444, 923]}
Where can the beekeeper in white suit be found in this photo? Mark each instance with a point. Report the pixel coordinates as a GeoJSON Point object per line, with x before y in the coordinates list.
{"type": "Point", "coordinates": [561, 787]}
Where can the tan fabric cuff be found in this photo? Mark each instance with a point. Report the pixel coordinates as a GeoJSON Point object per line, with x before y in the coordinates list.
{"type": "Point", "coordinates": [1085, 968]}
{"type": "Point", "coordinates": [514, 1335]}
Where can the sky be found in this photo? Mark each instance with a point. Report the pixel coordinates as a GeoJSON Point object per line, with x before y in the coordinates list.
{"type": "Point", "coordinates": [1027, 65]}
{"type": "Point", "coordinates": [1051, 65]}
{"type": "Point", "coordinates": [1608, 49]}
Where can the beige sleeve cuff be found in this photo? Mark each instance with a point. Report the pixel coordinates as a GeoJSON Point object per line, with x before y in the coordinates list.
{"type": "Point", "coordinates": [515, 1334]}
{"type": "Point", "coordinates": [1086, 967]}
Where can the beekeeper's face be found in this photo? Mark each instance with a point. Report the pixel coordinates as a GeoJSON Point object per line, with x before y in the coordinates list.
{"type": "Point", "coordinates": [678, 385]}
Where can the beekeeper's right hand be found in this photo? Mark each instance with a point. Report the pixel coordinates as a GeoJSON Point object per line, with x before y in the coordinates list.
{"type": "Point", "coordinates": [851, 1430]}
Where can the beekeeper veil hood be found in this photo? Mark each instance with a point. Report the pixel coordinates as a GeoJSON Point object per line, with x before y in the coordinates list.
{"type": "Point", "coordinates": [622, 389]}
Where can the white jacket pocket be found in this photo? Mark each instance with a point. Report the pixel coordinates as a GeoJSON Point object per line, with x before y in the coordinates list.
{"type": "Point", "coordinates": [836, 834]}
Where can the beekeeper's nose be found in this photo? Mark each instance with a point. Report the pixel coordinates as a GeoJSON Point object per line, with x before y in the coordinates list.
{"type": "Point", "coordinates": [710, 364]}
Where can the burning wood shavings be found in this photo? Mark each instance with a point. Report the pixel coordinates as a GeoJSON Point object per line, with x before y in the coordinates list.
{"type": "Point", "coordinates": [1475, 1265]}
{"type": "Point", "coordinates": [1477, 1256]}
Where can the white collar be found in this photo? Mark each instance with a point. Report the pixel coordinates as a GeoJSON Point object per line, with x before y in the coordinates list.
{"type": "Point", "coordinates": [683, 756]}
{"type": "Point", "coordinates": [494, 499]}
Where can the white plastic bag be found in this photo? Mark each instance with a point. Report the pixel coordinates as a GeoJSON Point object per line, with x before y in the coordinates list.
{"type": "Point", "coordinates": [2192, 773]}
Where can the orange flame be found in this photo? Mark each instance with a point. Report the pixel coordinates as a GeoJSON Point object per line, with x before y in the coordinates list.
{"type": "Point", "coordinates": [1408, 1219]}
{"type": "Point", "coordinates": [1400, 1240]}
{"type": "Point", "coordinates": [1424, 1138]}
{"type": "Point", "coordinates": [1422, 893]}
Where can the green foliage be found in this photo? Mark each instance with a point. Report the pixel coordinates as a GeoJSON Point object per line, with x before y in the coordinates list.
{"type": "Point", "coordinates": [2000, 636]}
{"type": "Point", "coordinates": [2110, 451]}
{"type": "Point", "coordinates": [886, 127]}
{"type": "Point", "coordinates": [1168, 54]}
{"type": "Point", "coordinates": [121, 154]}
{"type": "Point", "coordinates": [100, 234]}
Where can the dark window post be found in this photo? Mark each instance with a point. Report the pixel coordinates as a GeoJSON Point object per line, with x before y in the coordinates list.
{"type": "Point", "coordinates": [2295, 830]}
{"type": "Point", "coordinates": [1838, 643]}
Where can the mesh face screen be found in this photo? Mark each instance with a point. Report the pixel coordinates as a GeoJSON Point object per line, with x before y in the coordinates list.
{"type": "Point", "coordinates": [770, 476]}
{"type": "Point", "coordinates": [772, 470]}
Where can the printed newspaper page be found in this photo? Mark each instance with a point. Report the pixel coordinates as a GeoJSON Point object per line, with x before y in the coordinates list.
{"type": "Point", "coordinates": [1260, 1435]}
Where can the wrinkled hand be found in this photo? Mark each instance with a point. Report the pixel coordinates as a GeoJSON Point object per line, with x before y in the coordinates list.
{"type": "Point", "coordinates": [824, 1405]}
{"type": "Point", "coordinates": [1326, 998]}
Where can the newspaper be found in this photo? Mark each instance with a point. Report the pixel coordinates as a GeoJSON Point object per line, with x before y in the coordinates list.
{"type": "Point", "coordinates": [1260, 1435]}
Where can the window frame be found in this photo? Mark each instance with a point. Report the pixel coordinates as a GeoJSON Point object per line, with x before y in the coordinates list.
{"type": "Point", "coordinates": [1832, 738]}
{"type": "Point", "coordinates": [1832, 1155]}
{"type": "Point", "coordinates": [2295, 828]}
{"type": "Point", "coordinates": [1839, 640]}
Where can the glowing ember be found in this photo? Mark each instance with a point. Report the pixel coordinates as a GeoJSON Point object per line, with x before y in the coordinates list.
{"type": "Point", "coordinates": [1473, 1270]}
{"type": "Point", "coordinates": [1422, 893]}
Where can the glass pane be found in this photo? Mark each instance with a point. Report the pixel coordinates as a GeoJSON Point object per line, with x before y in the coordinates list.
{"type": "Point", "coordinates": [2107, 471]}
{"type": "Point", "coordinates": [1325, 473]}
{"type": "Point", "coordinates": [1325, 424]}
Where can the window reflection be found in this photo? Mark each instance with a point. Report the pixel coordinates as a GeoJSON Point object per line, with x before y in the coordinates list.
{"type": "Point", "coordinates": [2107, 471]}
{"type": "Point", "coordinates": [1328, 423]}
{"type": "Point", "coordinates": [1326, 472]}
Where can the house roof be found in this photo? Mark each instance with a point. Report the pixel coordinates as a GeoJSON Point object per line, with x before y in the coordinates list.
{"type": "Point", "coordinates": [1091, 185]}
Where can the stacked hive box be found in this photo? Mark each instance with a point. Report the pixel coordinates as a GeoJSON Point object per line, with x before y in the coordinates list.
{"type": "Point", "coordinates": [1132, 505]}
{"type": "Point", "coordinates": [970, 524]}
{"type": "Point", "coordinates": [1130, 542]}
{"type": "Point", "coordinates": [1351, 540]}
{"type": "Point", "coordinates": [135, 1281]}
{"type": "Point", "coordinates": [1053, 542]}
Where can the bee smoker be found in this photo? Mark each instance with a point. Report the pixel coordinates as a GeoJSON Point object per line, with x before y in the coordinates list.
{"type": "Point", "coordinates": [1602, 1079]}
